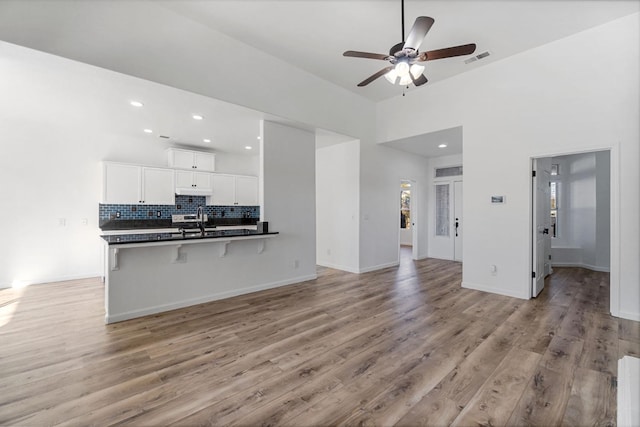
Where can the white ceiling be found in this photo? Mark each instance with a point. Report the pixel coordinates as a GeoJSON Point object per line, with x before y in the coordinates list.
{"type": "Point", "coordinates": [313, 34]}
{"type": "Point", "coordinates": [309, 34]}
{"type": "Point", "coordinates": [426, 145]}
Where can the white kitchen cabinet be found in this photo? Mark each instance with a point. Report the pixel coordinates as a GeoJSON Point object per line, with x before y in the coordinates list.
{"type": "Point", "coordinates": [121, 184]}
{"type": "Point", "coordinates": [235, 190]}
{"type": "Point", "coordinates": [246, 190]}
{"type": "Point", "coordinates": [188, 159]}
{"type": "Point", "coordinates": [158, 186]}
{"type": "Point", "coordinates": [224, 190]}
{"type": "Point", "coordinates": [133, 184]}
{"type": "Point", "coordinates": [195, 183]}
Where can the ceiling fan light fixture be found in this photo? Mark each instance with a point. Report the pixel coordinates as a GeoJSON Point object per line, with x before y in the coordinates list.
{"type": "Point", "coordinates": [402, 68]}
{"type": "Point", "coordinates": [405, 80]}
{"type": "Point", "coordinates": [416, 70]}
{"type": "Point", "coordinates": [392, 76]}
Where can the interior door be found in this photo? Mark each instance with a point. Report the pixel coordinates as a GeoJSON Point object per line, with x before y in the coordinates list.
{"type": "Point", "coordinates": [457, 218]}
{"type": "Point", "coordinates": [541, 223]}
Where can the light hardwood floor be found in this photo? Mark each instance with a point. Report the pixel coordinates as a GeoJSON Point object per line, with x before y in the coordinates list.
{"type": "Point", "coordinates": [404, 346]}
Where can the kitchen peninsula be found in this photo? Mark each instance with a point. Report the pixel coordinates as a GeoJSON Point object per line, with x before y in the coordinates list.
{"type": "Point", "coordinates": [147, 273]}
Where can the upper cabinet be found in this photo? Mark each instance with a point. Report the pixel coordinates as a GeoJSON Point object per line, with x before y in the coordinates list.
{"type": "Point", "coordinates": [234, 190]}
{"type": "Point", "coordinates": [187, 159]}
{"type": "Point", "coordinates": [132, 184]}
{"type": "Point", "coordinates": [194, 183]}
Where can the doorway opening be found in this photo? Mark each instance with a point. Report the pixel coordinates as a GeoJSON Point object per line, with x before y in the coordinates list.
{"type": "Point", "coordinates": [571, 214]}
{"type": "Point", "coordinates": [408, 236]}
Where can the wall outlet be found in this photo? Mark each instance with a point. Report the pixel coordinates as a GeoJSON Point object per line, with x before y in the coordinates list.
{"type": "Point", "coordinates": [159, 214]}
{"type": "Point", "coordinates": [494, 270]}
{"type": "Point", "coordinates": [328, 251]}
{"type": "Point", "coordinates": [296, 263]}
{"type": "Point", "coordinates": [62, 222]}
{"type": "Point", "coordinates": [85, 221]}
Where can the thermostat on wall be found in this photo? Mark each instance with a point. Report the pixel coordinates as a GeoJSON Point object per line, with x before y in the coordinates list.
{"type": "Point", "coordinates": [498, 199]}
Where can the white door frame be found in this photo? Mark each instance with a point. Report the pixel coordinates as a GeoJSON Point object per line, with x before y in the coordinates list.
{"type": "Point", "coordinates": [614, 194]}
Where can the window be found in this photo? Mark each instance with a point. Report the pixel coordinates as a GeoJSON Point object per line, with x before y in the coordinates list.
{"type": "Point", "coordinates": [442, 210]}
{"type": "Point", "coordinates": [554, 188]}
{"type": "Point", "coordinates": [448, 171]}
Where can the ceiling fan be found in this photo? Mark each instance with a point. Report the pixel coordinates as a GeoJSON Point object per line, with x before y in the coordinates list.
{"type": "Point", "coordinates": [404, 57]}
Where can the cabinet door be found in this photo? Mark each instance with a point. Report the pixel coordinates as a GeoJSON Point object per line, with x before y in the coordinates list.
{"type": "Point", "coordinates": [247, 190]}
{"type": "Point", "coordinates": [121, 184]}
{"type": "Point", "coordinates": [223, 190]}
{"type": "Point", "coordinates": [202, 180]}
{"type": "Point", "coordinates": [158, 186]}
{"type": "Point", "coordinates": [184, 179]}
{"type": "Point", "coordinates": [182, 159]}
{"type": "Point", "coordinates": [204, 161]}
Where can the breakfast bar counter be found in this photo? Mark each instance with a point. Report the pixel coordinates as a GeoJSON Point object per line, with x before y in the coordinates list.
{"type": "Point", "coordinates": [150, 273]}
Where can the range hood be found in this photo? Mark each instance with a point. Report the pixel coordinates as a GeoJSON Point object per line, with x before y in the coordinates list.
{"type": "Point", "coordinates": [191, 191]}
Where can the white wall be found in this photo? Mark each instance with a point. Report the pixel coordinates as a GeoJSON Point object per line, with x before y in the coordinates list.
{"type": "Point", "coordinates": [337, 205]}
{"type": "Point", "coordinates": [584, 236]}
{"type": "Point", "coordinates": [241, 165]}
{"type": "Point", "coordinates": [288, 181]}
{"type": "Point", "coordinates": [382, 169]}
{"type": "Point", "coordinates": [551, 100]}
{"type": "Point", "coordinates": [51, 162]}
{"type": "Point", "coordinates": [441, 247]}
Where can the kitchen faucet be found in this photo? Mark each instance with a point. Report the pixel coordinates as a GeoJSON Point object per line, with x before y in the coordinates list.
{"type": "Point", "coordinates": [200, 216]}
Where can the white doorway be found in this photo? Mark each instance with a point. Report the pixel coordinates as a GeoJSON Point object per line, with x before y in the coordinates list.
{"type": "Point", "coordinates": [573, 215]}
{"type": "Point", "coordinates": [408, 232]}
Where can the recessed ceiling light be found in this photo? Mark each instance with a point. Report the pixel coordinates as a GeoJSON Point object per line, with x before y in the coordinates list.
{"type": "Point", "coordinates": [148, 131]}
{"type": "Point", "coordinates": [136, 103]}
{"type": "Point", "coordinates": [197, 117]}
{"type": "Point", "coordinates": [248, 147]}
{"type": "Point", "coordinates": [442, 146]}
{"type": "Point", "coordinates": [206, 140]}
{"type": "Point", "coordinates": [259, 137]}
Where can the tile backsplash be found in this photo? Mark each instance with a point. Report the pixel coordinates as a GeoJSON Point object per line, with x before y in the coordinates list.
{"type": "Point", "coordinates": [184, 205]}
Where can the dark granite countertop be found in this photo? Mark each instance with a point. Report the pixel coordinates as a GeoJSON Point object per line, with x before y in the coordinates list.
{"type": "Point", "coordinates": [120, 239]}
{"type": "Point", "coordinates": [141, 224]}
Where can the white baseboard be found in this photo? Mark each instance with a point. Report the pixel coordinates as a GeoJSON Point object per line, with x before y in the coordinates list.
{"type": "Point", "coordinates": [629, 315]}
{"type": "Point", "coordinates": [119, 317]}
{"type": "Point", "coordinates": [378, 267]}
{"type": "Point", "coordinates": [337, 266]}
{"type": "Point", "coordinates": [490, 289]}
{"type": "Point", "coordinates": [55, 279]}
{"type": "Point", "coordinates": [581, 265]}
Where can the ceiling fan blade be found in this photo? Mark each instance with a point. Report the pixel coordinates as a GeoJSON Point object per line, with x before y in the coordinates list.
{"type": "Point", "coordinates": [417, 33]}
{"type": "Point", "coordinates": [465, 49]}
{"type": "Point", "coordinates": [419, 81]}
{"type": "Point", "coordinates": [368, 55]}
{"type": "Point", "coordinates": [375, 76]}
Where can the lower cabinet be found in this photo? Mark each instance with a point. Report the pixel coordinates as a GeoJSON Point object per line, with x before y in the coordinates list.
{"type": "Point", "coordinates": [234, 190]}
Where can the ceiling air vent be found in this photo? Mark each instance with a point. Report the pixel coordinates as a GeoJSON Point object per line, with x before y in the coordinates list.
{"type": "Point", "coordinates": [164, 136]}
{"type": "Point", "coordinates": [476, 57]}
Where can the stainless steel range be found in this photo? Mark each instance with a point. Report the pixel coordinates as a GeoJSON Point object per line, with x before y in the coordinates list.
{"type": "Point", "coordinates": [191, 222]}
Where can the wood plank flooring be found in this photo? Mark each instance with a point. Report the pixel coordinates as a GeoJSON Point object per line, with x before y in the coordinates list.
{"type": "Point", "coordinates": [401, 346]}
